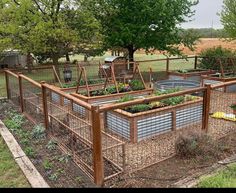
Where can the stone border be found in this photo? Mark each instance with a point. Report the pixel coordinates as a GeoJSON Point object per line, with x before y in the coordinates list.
{"type": "Point", "coordinates": [31, 173]}
{"type": "Point", "coordinates": [193, 180]}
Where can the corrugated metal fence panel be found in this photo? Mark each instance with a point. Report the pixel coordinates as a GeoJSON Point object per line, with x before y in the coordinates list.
{"type": "Point", "coordinates": [118, 125]}
{"type": "Point", "coordinates": [189, 116]}
{"type": "Point", "coordinates": [79, 109]}
{"type": "Point", "coordinates": [154, 125]}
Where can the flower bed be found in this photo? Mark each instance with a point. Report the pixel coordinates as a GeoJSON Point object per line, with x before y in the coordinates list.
{"type": "Point", "coordinates": [216, 78]}
{"type": "Point", "coordinates": [193, 74]}
{"type": "Point", "coordinates": [147, 120]}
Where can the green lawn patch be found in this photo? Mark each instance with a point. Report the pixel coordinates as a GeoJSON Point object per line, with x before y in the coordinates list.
{"type": "Point", "coordinates": [223, 179]}
{"type": "Point", "coordinates": [11, 175]}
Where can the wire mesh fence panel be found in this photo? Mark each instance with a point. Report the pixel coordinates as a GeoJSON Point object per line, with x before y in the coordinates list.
{"type": "Point", "coordinates": [150, 130]}
{"type": "Point", "coordinates": [182, 64]}
{"type": "Point", "coordinates": [40, 74]}
{"type": "Point", "coordinates": [14, 92]}
{"type": "Point", "coordinates": [32, 101]}
{"type": "Point", "coordinates": [72, 133]}
{"type": "Point", "coordinates": [222, 119]}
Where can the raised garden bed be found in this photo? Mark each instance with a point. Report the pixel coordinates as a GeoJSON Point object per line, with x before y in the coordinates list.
{"type": "Point", "coordinates": [136, 126]}
{"type": "Point", "coordinates": [217, 78]}
{"type": "Point", "coordinates": [192, 74]}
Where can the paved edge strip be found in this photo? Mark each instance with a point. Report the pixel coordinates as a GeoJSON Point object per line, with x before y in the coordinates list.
{"type": "Point", "coordinates": [31, 173]}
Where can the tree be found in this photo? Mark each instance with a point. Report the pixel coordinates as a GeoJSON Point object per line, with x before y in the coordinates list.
{"type": "Point", "coordinates": [38, 27]}
{"type": "Point", "coordinates": [147, 24]}
{"type": "Point", "coordinates": [228, 18]}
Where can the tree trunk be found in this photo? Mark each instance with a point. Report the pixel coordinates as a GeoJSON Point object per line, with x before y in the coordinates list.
{"type": "Point", "coordinates": [29, 63]}
{"type": "Point", "coordinates": [85, 58]}
{"type": "Point", "coordinates": [67, 57]}
{"type": "Point", "coordinates": [55, 61]}
{"type": "Point", "coordinates": [131, 51]}
{"type": "Point", "coordinates": [131, 54]}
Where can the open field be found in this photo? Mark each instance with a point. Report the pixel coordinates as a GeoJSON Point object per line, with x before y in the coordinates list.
{"type": "Point", "coordinates": [10, 174]}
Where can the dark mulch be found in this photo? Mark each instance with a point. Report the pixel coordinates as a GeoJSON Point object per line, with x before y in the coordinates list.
{"type": "Point", "coordinates": [62, 173]}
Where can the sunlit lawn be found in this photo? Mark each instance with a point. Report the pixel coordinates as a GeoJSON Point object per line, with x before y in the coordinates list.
{"type": "Point", "coordinates": [11, 175]}
{"type": "Point", "coordinates": [222, 179]}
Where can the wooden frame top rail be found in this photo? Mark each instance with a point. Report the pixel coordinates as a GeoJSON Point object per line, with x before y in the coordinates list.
{"type": "Point", "coordinates": [108, 107]}
{"type": "Point", "coordinates": [67, 96]}
{"type": "Point", "coordinates": [30, 80]}
{"type": "Point", "coordinates": [164, 59]}
{"type": "Point", "coordinates": [11, 73]}
{"type": "Point", "coordinates": [219, 85]}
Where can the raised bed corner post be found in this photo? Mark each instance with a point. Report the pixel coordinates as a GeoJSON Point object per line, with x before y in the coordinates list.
{"type": "Point", "coordinates": [21, 92]}
{"type": "Point", "coordinates": [206, 107]}
{"type": "Point", "coordinates": [7, 85]}
{"type": "Point", "coordinates": [45, 105]}
{"type": "Point", "coordinates": [97, 147]}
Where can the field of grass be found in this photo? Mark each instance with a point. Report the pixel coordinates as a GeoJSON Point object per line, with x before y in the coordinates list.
{"type": "Point", "coordinates": [223, 179]}
{"type": "Point", "coordinates": [10, 174]}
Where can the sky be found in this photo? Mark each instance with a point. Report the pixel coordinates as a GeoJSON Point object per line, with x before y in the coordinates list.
{"type": "Point", "coordinates": [206, 15]}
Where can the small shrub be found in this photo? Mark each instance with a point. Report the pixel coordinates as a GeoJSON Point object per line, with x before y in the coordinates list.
{"type": "Point", "coordinates": [125, 98]}
{"type": "Point", "coordinates": [195, 144]}
{"type": "Point", "coordinates": [53, 177]}
{"type": "Point", "coordinates": [38, 132]}
{"type": "Point", "coordinates": [211, 55]}
{"type": "Point", "coordinates": [30, 152]}
{"type": "Point", "coordinates": [64, 158]}
{"type": "Point", "coordinates": [47, 165]}
{"type": "Point", "coordinates": [52, 145]}
{"type": "Point", "coordinates": [136, 85]}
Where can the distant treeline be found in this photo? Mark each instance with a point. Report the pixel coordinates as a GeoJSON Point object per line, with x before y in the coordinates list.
{"type": "Point", "coordinates": [207, 32]}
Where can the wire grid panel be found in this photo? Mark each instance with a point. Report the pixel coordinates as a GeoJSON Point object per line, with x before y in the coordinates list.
{"type": "Point", "coordinates": [73, 135]}
{"type": "Point", "coordinates": [151, 136]}
{"type": "Point", "coordinates": [38, 75]}
{"type": "Point", "coordinates": [32, 101]}
{"type": "Point", "coordinates": [220, 102]}
{"type": "Point", "coordinates": [14, 92]}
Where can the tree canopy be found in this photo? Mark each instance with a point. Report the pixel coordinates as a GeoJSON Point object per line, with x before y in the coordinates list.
{"type": "Point", "coordinates": [147, 24]}
{"type": "Point", "coordinates": [228, 18]}
{"type": "Point", "coordinates": [49, 28]}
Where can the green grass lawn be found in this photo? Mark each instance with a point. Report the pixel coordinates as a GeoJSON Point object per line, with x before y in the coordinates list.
{"type": "Point", "coordinates": [222, 179]}
{"type": "Point", "coordinates": [11, 175]}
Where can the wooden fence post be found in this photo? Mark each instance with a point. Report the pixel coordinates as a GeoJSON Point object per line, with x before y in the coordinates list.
{"type": "Point", "coordinates": [97, 147]}
{"type": "Point", "coordinates": [167, 64]}
{"type": "Point", "coordinates": [7, 85]}
{"type": "Point", "coordinates": [45, 105]}
{"type": "Point", "coordinates": [206, 107]}
{"type": "Point", "coordinates": [21, 92]}
{"type": "Point", "coordinates": [195, 62]}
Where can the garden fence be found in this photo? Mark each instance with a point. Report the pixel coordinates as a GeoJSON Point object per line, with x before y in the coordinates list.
{"type": "Point", "coordinates": [107, 140]}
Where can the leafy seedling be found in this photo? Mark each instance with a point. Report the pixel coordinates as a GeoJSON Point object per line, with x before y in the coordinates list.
{"type": "Point", "coordinates": [38, 132]}
{"type": "Point", "coordinates": [47, 165]}
{"type": "Point", "coordinates": [52, 145]}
